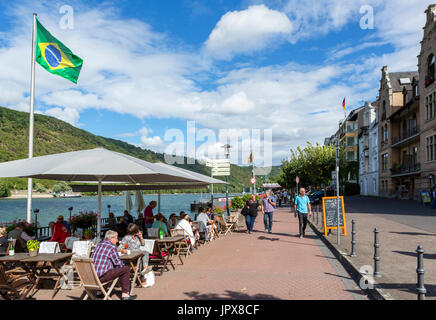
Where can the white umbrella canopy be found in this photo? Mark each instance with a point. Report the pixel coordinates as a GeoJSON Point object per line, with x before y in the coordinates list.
{"type": "Point", "coordinates": [127, 201]}
{"type": "Point", "coordinates": [98, 165]}
{"type": "Point", "coordinates": [139, 202]}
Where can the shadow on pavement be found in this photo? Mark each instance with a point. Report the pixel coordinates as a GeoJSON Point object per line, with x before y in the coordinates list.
{"type": "Point", "coordinates": [370, 205]}
{"type": "Point", "coordinates": [410, 287]}
{"type": "Point", "coordinates": [413, 254]}
{"type": "Point", "coordinates": [414, 233]}
{"type": "Point", "coordinates": [229, 295]}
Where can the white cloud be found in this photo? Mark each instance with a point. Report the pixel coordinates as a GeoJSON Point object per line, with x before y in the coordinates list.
{"type": "Point", "coordinates": [66, 114]}
{"type": "Point", "coordinates": [247, 31]}
{"type": "Point", "coordinates": [130, 69]}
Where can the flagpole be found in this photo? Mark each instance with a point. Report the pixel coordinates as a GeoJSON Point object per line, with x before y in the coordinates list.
{"type": "Point", "coordinates": [31, 119]}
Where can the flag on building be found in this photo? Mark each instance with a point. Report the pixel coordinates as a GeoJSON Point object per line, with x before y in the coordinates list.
{"type": "Point", "coordinates": [250, 158]}
{"type": "Point", "coordinates": [343, 104]}
{"type": "Point", "coordinates": [55, 57]}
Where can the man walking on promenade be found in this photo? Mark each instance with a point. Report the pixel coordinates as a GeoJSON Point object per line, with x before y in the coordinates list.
{"type": "Point", "coordinates": [302, 208]}
{"type": "Point", "coordinates": [268, 204]}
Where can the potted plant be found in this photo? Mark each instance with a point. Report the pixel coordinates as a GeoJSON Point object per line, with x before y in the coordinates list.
{"type": "Point", "coordinates": [32, 246]}
{"type": "Point", "coordinates": [88, 234]}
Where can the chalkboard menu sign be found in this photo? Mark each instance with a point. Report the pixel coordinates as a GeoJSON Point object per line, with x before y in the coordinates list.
{"type": "Point", "coordinates": [330, 212]}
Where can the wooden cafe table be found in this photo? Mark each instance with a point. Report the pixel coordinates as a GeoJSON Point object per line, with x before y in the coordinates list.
{"type": "Point", "coordinates": [176, 241]}
{"type": "Point", "coordinates": [134, 256]}
{"type": "Point", "coordinates": [55, 260]}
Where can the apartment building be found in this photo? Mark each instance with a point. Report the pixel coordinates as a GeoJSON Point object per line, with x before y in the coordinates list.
{"type": "Point", "coordinates": [391, 101]}
{"type": "Point", "coordinates": [368, 151]}
{"type": "Point", "coordinates": [427, 102]}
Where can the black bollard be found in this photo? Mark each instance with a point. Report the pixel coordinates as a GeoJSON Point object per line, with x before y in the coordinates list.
{"type": "Point", "coordinates": [377, 273]}
{"type": "Point", "coordinates": [420, 272]}
{"type": "Point", "coordinates": [353, 239]}
{"type": "Point", "coordinates": [317, 218]}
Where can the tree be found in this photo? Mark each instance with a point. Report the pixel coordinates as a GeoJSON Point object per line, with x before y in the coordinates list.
{"type": "Point", "coordinates": [313, 165]}
{"type": "Point", "coordinates": [40, 188]}
{"type": "Point", "coordinates": [4, 190]}
{"type": "Point", "coordinates": [60, 187]}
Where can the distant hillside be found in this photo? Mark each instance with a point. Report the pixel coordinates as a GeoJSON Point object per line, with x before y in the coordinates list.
{"type": "Point", "coordinates": [52, 136]}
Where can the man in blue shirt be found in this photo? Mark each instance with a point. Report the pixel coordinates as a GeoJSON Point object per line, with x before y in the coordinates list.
{"type": "Point", "coordinates": [302, 208]}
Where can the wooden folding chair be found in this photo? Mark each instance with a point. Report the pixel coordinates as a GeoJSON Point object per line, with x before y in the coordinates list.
{"type": "Point", "coordinates": [160, 258]}
{"type": "Point", "coordinates": [225, 226]}
{"type": "Point", "coordinates": [233, 219]}
{"type": "Point", "coordinates": [89, 279]}
{"type": "Point", "coordinates": [14, 287]}
{"type": "Point", "coordinates": [183, 246]}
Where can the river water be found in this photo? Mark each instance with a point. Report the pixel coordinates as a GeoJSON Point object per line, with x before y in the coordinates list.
{"type": "Point", "coordinates": [49, 209]}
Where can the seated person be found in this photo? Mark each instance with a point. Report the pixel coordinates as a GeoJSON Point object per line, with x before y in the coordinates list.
{"type": "Point", "coordinates": [172, 221]}
{"type": "Point", "coordinates": [135, 240]}
{"type": "Point", "coordinates": [108, 265]}
{"type": "Point", "coordinates": [121, 227]}
{"type": "Point", "coordinates": [60, 231]}
{"type": "Point", "coordinates": [61, 219]}
{"type": "Point", "coordinates": [206, 225]}
{"type": "Point", "coordinates": [111, 221]}
{"type": "Point", "coordinates": [4, 243]}
{"type": "Point", "coordinates": [160, 223]}
{"type": "Point", "coordinates": [140, 222]}
{"type": "Point", "coordinates": [186, 226]}
{"type": "Point", "coordinates": [128, 217]}
{"type": "Point", "coordinates": [200, 210]}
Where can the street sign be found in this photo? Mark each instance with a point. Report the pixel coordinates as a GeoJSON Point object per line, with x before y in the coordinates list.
{"type": "Point", "coordinates": [222, 161]}
{"type": "Point", "coordinates": [297, 180]}
{"type": "Point", "coordinates": [253, 180]}
{"type": "Point", "coordinates": [218, 174]}
{"type": "Point", "coordinates": [220, 171]}
{"type": "Point", "coordinates": [334, 176]}
{"type": "Point", "coordinates": [209, 163]}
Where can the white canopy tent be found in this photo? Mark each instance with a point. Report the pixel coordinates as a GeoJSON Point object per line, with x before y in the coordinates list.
{"type": "Point", "coordinates": [100, 165]}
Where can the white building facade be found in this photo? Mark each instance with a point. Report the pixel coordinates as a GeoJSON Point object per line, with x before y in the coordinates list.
{"type": "Point", "coordinates": [368, 152]}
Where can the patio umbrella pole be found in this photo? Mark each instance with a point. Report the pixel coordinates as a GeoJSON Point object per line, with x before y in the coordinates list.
{"type": "Point", "coordinates": [158, 201]}
{"type": "Point", "coordinates": [99, 209]}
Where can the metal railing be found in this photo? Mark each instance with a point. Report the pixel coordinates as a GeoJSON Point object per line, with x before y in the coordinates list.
{"type": "Point", "coordinates": [406, 135]}
{"type": "Point", "coordinates": [404, 169]}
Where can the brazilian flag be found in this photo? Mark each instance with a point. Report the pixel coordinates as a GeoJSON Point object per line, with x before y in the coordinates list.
{"type": "Point", "coordinates": [54, 57]}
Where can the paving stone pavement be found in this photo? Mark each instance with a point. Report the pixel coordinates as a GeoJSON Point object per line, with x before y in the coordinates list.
{"type": "Point", "coordinates": [402, 225]}
{"type": "Point", "coordinates": [252, 266]}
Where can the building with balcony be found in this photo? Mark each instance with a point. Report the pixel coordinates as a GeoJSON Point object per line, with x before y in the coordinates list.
{"type": "Point", "coordinates": [406, 168]}
{"type": "Point", "coordinates": [427, 102]}
{"type": "Point", "coordinates": [390, 112]}
{"type": "Point", "coordinates": [368, 151]}
{"type": "Point", "coordinates": [348, 139]}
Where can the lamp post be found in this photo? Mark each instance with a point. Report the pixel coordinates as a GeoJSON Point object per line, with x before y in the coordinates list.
{"type": "Point", "coordinates": [36, 211]}
{"type": "Point", "coordinates": [227, 153]}
{"type": "Point", "coordinates": [109, 208]}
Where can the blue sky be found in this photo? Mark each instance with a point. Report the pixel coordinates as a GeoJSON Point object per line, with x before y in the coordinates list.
{"type": "Point", "coordinates": [151, 66]}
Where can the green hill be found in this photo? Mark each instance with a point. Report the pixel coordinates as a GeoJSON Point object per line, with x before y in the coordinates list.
{"type": "Point", "coordinates": [55, 136]}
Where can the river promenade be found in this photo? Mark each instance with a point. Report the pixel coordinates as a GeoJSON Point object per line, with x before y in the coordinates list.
{"type": "Point", "coordinates": [402, 226]}
{"type": "Point", "coordinates": [258, 266]}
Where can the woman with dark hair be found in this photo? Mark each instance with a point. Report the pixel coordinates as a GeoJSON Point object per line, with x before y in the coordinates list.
{"type": "Point", "coordinates": [133, 242]}
{"type": "Point", "coordinates": [172, 221]}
